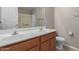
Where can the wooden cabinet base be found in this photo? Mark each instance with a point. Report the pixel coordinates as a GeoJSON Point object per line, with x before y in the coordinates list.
{"type": "Point", "coordinates": [41, 43]}
{"type": "Point", "coordinates": [45, 46]}
{"type": "Point", "coordinates": [52, 44]}
{"type": "Point", "coordinates": [35, 48]}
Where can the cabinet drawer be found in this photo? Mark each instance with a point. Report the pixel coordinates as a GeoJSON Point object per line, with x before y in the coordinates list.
{"type": "Point", "coordinates": [48, 36]}
{"type": "Point", "coordinates": [51, 35]}
{"type": "Point", "coordinates": [22, 46]}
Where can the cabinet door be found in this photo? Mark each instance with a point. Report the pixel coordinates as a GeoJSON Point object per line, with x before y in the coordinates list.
{"type": "Point", "coordinates": [45, 46]}
{"type": "Point", "coordinates": [52, 44]}
{"type": "Point", "coordinates": [36, 48]}
{"type": "Point", "coordinates": [22, 46]}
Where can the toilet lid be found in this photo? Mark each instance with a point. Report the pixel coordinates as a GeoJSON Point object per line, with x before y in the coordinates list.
{"type": "Point", "coordinates": [60, 38]}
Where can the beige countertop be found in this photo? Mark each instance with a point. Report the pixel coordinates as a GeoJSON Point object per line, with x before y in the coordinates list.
{"type": "Point", "coordinates": [24, 36]}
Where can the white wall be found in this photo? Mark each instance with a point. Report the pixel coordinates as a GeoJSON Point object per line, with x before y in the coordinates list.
{"type": "Point", "coordinates": [65, 21]}
{"type": "Point", "coordinates": [9, 17]}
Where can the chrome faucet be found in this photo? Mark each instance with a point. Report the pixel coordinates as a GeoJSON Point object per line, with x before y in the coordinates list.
{"type": "Point", "coordinates": [41, 28]}
{"type": "Point", "coordinates": [15, 32]}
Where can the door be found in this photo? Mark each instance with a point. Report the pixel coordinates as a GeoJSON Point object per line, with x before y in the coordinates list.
{"type": "Point", "coordinates": [52, 44]}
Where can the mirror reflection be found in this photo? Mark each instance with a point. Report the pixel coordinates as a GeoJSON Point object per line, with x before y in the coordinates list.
{"type": "Point", "coordinates": [30, 17]}
{"type": "Point", "coordinates": [21, 17]}
{"type": "Point", "coordinates": [26, 17]}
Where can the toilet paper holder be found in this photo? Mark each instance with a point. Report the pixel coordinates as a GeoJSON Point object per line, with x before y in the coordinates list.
{"type": "Point", "coordinates": [71, 34]}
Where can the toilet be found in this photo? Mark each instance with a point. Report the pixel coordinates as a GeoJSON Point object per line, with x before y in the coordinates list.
{"type": "Point", "coordinates": [59, 43]}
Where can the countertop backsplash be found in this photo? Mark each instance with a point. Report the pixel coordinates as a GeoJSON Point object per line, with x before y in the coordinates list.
{"type": "Point", "coordinates": [19, 29]}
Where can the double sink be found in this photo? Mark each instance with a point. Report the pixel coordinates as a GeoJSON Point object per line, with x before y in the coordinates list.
{"type": "Point", "coordinates": [30, 32]}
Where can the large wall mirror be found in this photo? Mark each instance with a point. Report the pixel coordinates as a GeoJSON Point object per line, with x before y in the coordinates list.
{"type": "Point", "coordinates": [25, 17]}
{"type": "Point", "coordinates": [21, 17]}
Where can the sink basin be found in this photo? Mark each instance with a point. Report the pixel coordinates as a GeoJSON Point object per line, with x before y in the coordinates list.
{"type": "Point", "coordinates": [31, 32]}
{"type": "Point", "coordinates": [3, 36]}
{"type": "Point", "coordinates": [28, 32]}
{"type": "Point", "coordinates": [21, 32]}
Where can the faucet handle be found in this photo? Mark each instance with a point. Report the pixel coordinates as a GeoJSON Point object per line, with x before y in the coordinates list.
{"type": "Point", "coordinates": [14, 33]}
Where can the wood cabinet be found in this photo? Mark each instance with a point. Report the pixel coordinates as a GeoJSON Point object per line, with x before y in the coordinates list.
{"type": "Point", "coordinates": [41, 43]}
{"type": "Point", "coordinates": [45, 46]}
{"type": "Point", "coordinates": [52, 44]}
{"type": "Point", "coordinates": [36, 48]}
{"type": "Point", "coordinates": [48, 42]}
{"type": "Point", "coordinates": [23, 46]}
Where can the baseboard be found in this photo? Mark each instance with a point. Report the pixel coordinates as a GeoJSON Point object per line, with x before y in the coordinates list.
{"type": "Point", "coordinates": [68, 47]}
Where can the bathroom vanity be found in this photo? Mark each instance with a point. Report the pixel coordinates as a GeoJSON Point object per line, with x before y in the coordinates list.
{"type": "Point", "coordinates": [25, 29]}
{"type": "Point", "coordinates": [44, 40]}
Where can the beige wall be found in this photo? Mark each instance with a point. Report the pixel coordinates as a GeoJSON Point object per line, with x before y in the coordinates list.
{"type": "Point", "coordinates": [40, 16]}
{"type": "Point", "coordinates": [45, 15]}
{"type": "Point", "coordinates": [49, 17]}
{"type": "Point", "coordinates": [67, 20]}
{"type": "Point", "coordinates": [24, 20]}
{"type": "Point", "coordinates": [25, 11]}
